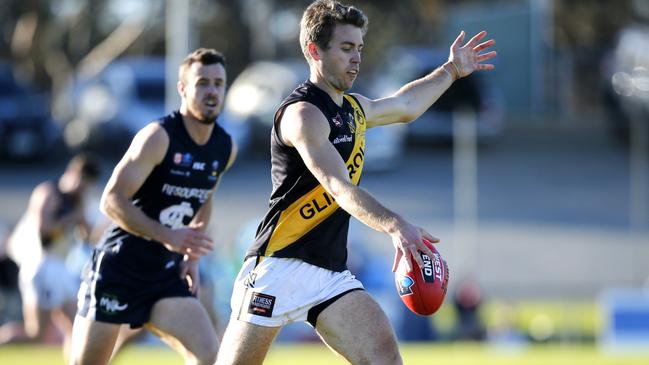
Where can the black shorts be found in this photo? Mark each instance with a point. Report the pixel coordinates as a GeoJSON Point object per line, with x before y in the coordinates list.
{"type": "Point", "coordinates": [110, 293]}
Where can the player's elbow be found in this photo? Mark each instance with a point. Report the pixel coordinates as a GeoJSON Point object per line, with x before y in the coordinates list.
{"type": "Point", "coordinates": [107, 204]}
{"type": "Point", "coordinates": [407, 117]}
{"type": "Point", "coordinates": [103, 205]}
{"type": "Point", "coordinates": [339, 190]}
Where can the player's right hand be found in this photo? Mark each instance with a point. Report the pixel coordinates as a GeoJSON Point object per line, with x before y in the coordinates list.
{"type": "Point", "coordinates": [407, 240]}
{"type": "Point", "coordinates": [189, 241]}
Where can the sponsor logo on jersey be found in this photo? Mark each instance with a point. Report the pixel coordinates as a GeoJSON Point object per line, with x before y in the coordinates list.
{"type": "Point", "coordinates": [174, 216]}
{"type": "Point", "coordinates": [343, 138]}
{"type": "Point", "coordinates": [198, 166]}
{"type": "Point", "coordinates": [337, 120]}
{"type": "Point", "coordinates": [180, 173]}
{"type": "Point", "coordinates": [315, 206]}
{"type": "Point", "coordinates": [215, 171]}
{"type": "Point", "coordinates": [261, 304]}
{"type": "Point", "coordinates": [359, 117]}
{"type": "Point", "coordinates": [355, 164]}
{"type": "Point", "coordinates": [404, 285]}
{"type": "Point", "coordinates": [186, 193]}
{"type": "Point", "coordinates": [110, 304]}
{"type": "Point", "coordinates": [183, 159]}
{"type": "Point", "coordinates": [352, 127]}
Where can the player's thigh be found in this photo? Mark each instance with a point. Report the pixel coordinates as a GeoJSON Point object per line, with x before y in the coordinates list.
{"type": "Point", "coordinates": [245, 343]}
{"type": "Point", "coordinates": [92, 341]}
{"type": "Point", "coordinates": [182, 321]}
{"type": "Point", "coordinates": [358, 329]}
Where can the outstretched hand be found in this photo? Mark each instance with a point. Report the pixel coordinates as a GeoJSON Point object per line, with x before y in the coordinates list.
{"type": "Point", "coordinates": [467, 58]}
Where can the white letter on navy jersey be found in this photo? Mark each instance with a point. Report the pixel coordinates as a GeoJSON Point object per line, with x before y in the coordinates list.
{"type": "Point", "coordinates": [173, 216]}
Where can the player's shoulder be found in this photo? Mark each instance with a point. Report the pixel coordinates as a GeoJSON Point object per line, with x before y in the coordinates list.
{"type": "Point", "coordinates": [304, 114]}
{"type": "Point", "coordinates": [151, 141]}
{"type": "Point", "coordinates": [45, 188]}
{"type": "Point", "coordinates": [303, 120]}
{"type": "Point", "coordinates": [153, 132]}
{"type": "Point", "coordinates": [45, 191]}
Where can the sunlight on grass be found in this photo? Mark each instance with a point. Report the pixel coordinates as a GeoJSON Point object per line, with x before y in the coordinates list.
{"type": "Point", "coordinates": [318, 354]}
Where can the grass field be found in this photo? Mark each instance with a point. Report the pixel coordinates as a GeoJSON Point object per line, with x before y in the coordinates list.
{"type": "Point", "coordinates": [316, 354]}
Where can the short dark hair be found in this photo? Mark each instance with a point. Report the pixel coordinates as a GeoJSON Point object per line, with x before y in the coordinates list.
{"type": "Point", "coordinates": [87, 165]}
{"type": "Point", "coordinates": [205, 56]}
{"type": "Point", "coordinates": [320, 18]}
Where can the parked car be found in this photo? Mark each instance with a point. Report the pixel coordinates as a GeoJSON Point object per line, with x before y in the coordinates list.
{"type": "Point", "coordinates": [257, 92]}
{"type": "Point", "coordinates": [111, 107]}
{"type": "Point", "coordinates": [126, 96]}
{"type": "Point", "coordinates": [27, 130]}
{"type": "Point", "coordinates": [405, 64]}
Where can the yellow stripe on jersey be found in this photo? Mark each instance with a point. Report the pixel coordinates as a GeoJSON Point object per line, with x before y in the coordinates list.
{"type": "Point", "coordinates": [317, 205]}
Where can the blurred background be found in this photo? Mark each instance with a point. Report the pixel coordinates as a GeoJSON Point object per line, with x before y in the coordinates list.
{"type": "Point", "coordinates": [535, 176]}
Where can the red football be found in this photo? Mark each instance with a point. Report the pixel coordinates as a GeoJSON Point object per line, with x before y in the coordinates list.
{"type": "Point", "coordinates": [423, 290]}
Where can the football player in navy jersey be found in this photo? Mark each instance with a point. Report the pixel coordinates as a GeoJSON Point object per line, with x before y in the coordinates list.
{"type": "Point", "coordinates": [295, 269]}
{"type": "Point", "coordinates": [144, 271]}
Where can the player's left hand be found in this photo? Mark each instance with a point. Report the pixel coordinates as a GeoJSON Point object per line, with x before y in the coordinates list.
{"type": "Point", "coordinates": [189, 271]}
{"type": "Point", "coordinates": [467, 58]}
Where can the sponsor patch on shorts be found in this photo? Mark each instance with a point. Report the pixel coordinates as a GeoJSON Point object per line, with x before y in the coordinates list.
{"type": "Point", "coordinates": [110, 304]}
{"type": "Point", "coordinates": [261, 304]}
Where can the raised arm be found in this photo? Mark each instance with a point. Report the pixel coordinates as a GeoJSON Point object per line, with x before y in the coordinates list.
{"type": "Point", "coordinates": [146, 151]}
{"type": "Point", "coordinates": [304, 127]}
{"type": "Point", "coordinates": [414, 98]}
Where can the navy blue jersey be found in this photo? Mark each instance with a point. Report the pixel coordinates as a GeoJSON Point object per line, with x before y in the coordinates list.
{"type": "Point", "coordinates": [172, 195]}
{"type": "Point", "coordinates": [303, 221]}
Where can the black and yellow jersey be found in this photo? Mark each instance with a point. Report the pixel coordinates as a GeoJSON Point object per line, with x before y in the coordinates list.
{"type": "Point", "coordinates": [303, 220]}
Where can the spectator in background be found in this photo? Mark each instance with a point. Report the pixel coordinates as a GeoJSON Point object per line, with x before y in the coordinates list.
{"type": "Point", "coordinates": [39, 244]}
{"type": "Point", "coordinates": [467, 302]}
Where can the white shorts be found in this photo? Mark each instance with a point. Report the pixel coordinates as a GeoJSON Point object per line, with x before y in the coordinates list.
{"type": "Point", "coordinates": [48, 284]}
{"type": "Point", "coordinates": [279, 291]}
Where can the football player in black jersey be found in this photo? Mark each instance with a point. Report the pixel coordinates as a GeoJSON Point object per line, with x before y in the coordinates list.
{"type": "Point", "coordinates": [39, 244]}
{"type": "Point", "coordinates": [144, 271]}
{"type": "Point", "coordinates": [295, 269]}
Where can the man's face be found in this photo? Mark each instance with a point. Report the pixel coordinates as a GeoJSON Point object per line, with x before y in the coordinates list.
{"type": "Point", "coordinates": [341, 61]}
{"type": "Point", "coordinates": [203, 91]}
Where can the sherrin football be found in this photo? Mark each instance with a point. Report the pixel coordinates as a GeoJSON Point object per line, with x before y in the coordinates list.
{"type": "Point", "coordinates": [423, 289]}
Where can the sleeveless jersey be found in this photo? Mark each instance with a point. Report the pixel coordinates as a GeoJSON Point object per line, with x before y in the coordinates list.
{"type": "Point", "coordinates": [303, 220]}
{"type": "Point", "coordinates": [67, 203]}
{"type": "Point", "coordinates": [172, 195]}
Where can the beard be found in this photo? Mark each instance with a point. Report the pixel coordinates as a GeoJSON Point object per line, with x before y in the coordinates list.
{"type": "Point", "coordinates": [208, 120]}
{"type": "Point", "coordinates": [205, 117]}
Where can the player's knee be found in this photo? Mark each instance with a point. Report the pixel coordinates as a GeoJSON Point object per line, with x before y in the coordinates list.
{"type": "Point", "coordinates": [386, 352]}
{"type": "Point", "coordinates": [382, 357]}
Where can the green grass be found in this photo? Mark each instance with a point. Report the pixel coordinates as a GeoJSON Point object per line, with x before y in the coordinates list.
{"type": "Point", "coordinates": [317, 354]}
